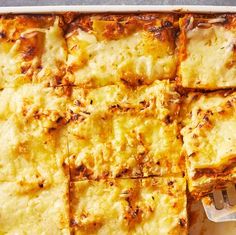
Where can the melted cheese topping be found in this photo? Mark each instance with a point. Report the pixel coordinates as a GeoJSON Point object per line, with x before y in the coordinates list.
{"type": "Point", "coordinates": [33, 181]}
{"type": "Point", "coordinates": [209, 136]}
{"type": "Point", "coordinates": [136, 59]}
{"type": "Point", "coordinates": [35, 55]}
{"type": "Point", "coordinates": [42, 211]}
{"type": "Point", "coordinates": [112, 144]}
{"type": "Point", "coordinates": [128, 206]}
{"type": "Point", "coordinates": [32, 153]}
{"type": "Point", "coordinates": [33, 176]}
{"type": "Point", "coordinates": [159, 99]}
{"type": "Point", "coordinates": [210, 61]}
{"type": "Point", "coordinates": [35, 105]}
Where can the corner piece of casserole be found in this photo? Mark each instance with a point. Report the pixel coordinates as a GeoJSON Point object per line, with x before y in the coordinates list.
{"type": "Point", "coordinates": [207, 52]}
{"type": "Point", "coordinates": [32, 50]}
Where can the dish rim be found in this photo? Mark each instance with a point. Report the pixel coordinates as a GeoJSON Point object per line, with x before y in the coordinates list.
{"type": "Point", "coordinates": [116, 9]}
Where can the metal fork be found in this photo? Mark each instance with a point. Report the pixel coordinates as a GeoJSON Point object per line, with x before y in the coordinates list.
{"type": "Point", "coordinates": [220, 205]}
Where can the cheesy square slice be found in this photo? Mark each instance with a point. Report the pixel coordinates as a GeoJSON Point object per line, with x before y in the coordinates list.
{"type": "Point", "coordinates": [32, 50]}
{"type": "Point", "coordinates": [115, 131]}
{"type": "Point", "coordinates": [33, 133]}
{"type": "Point", "coordinates": [129, 206]}
{"type": "Point", "coordinates": [31, 156]}
{"type": "Point", "coordinates": [34, 211]}
{"type": "Point", "coordinates": [123, 144]}
{"type": "Point", "coordinates": [207, 52]}
{"type": "Point", "coordinates": [133, 50]}
{"type": "Point", "coordinates": [209, 136]}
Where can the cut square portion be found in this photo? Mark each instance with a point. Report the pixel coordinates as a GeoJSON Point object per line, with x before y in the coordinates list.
{"type": "Point", "coordinates": [120, 132]}
{"type": "Point", "coordinates": [35, 211]}
{"type": "Point", "coordinates": [129, 206]}
{"type": "Point", "coordinates": [32, 50]}
{"type": "Point", "coordinates": [207, 52]}
{"type": "Point", "coordinates": [209, 136]}
{"type": "Point", "coordinates": [108, 144]}
{"type": "Point", "coordinates": [133, 50]}
{"type": "Point", "coordinates": [33, 136]}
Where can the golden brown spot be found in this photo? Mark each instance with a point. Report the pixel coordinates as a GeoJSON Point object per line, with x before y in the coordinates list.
{"type": "Point", "coordinates": [182, 222]}
{"type": "Point", "coordinates": [82, 171]}
{"type": "Point", "coordinates": [133, 216]}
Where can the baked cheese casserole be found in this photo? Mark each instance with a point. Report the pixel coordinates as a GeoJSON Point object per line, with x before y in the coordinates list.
{"type": "Point", "coordinates": [109, 123]}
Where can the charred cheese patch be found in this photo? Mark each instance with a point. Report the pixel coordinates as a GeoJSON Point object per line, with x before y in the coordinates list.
{"type": "Point", "coordinates": [131, 50]}
{"type": "Point", "coordinates": [129, 206]}
{"type": "Point", "coordinates": [207, 52]}
{"type": "Point", "coordinates": [119, 132]}
{"type": "Point", "coordinates": [32, 50]}
{"type": "Point", "coordinates": [209, 140]}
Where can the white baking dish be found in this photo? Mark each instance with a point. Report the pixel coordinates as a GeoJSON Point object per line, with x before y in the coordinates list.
{"type": "Point", "coordinates": [201, 225]}
{"type": "Point", "coordinates": [119, 8]}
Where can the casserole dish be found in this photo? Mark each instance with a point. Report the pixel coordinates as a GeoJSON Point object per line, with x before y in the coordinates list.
{"type": "Point", "coordinates": [110, 135]}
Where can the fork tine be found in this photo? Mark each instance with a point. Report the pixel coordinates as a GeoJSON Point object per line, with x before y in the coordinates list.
{"type": "Point", "coordinates": [220, 206]}
{"type": "Point", "coordinates": [218, 199]}
{"type": "Point", "coordinates": [231, 194]}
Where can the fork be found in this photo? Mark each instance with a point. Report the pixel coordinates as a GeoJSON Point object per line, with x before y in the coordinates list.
{"type": "Point", "coordinates": [220, 205]}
